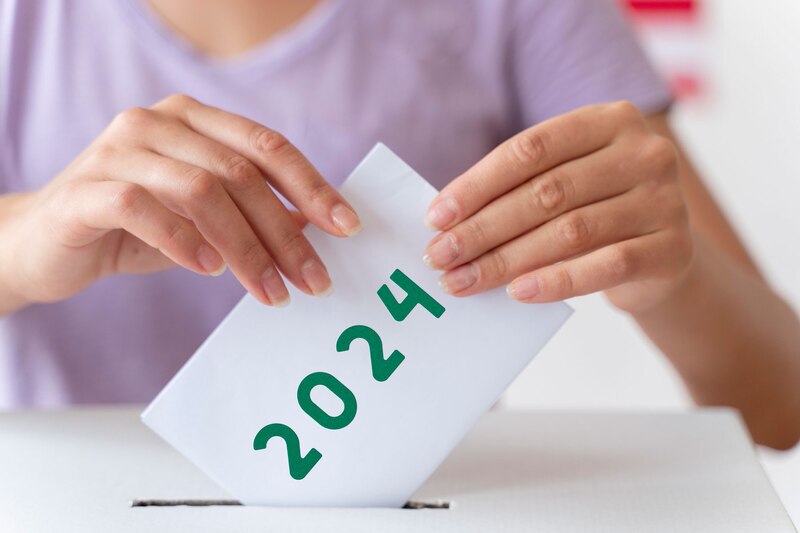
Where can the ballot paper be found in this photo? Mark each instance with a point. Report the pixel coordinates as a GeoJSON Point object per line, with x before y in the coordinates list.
{"type": "Point", "coordinates": [355, 399]}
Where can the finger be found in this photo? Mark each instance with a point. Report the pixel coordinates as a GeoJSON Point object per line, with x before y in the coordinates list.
{"type": "Point", "coordinates": [284, 166]}
{"type": "Point", "coordinates": [299, 218]}
{"type": "Point", "coordinates": [109, 205]}
{"type": "Point", "coordinates": [569, 186]}
{"type": "Point", "coordinates": [569, 235]}
{"type": "Point", "coordinates": [264, 212]}
{"type": "Point", "coordinates": [244, 183]}
{"type": "Point", "coordinates": [603, 269]}
{"type": "Point", "coordinates": [199, 196]}
{"type": "Point", "coordinates": [526, 155]}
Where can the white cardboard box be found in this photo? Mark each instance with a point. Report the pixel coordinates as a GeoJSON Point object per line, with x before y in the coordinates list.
{"type": "Point", "coordinates": [79, 471]}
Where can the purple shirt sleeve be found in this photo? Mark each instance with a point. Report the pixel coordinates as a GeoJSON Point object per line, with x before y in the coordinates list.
{"type": "Point", "coordinates": [568, 54]}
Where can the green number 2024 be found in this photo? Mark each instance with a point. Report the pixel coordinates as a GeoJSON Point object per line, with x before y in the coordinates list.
{"type": "Point", "coordinates": [382, 368]}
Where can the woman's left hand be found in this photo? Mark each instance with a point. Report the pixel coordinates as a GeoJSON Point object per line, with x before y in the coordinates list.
{"type": "Point", "coordinates": [587, 201]}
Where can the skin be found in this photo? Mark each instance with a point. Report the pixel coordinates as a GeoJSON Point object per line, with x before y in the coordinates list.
{"type": "Point", "coordinates": [599, 199]}
{"type": "Point", "coordinates": [603, 199]}
{"type": "Point", "coordinates": [180, 183]}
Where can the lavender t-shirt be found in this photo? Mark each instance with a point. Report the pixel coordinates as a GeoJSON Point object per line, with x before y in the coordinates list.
{"type": "Point", "coordinates": [441, 82]}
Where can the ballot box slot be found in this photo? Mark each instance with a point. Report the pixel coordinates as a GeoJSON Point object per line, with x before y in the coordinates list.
{"type": "Point", "coordinates": [177, 503]}
{"type": "Point", "coordinates": [212, 503]}
{"type": "Point", "coordinates": [426, 505]}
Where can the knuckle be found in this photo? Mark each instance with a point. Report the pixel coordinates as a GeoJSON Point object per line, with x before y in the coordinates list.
{"type": "Point", "coordinates": [549, 193]}
{"type": "Point", "coordinates": [320, 192]}
{"type": "Point", "coordinates": [573, 231]}
{"type": "Point", "coordinates": [655, 165]}
{"type": "Point", "coordinates": [621, 262]}
{"type": "Point", "coordinates": [100, 156]}
{"type": "Point", "coordinates": [179, 101]}
{"type": "Point", "coordinates": [133, 119]}
{"type": "Point", "coordinates": [466, 192]}
{"type": "Point", "coordinates": [253, 253]}
{"type": "Point", "coordinates": [529, 146]}
{"type": "Point", "coordinates": [293, 242]}
{"type": "Point", "coordinates": [199, 185]}
{"type": "Point", "coordinates": [660, 154]}
{"type": "Point", "coordinates": [670, 201]}
{"type": "Point", "coordinates": [497, 266]}
{"type": "Point", "coordinates": [473, 229]}
{"type": "Point", "coordinates": [128, 199]}
{"type": "Point", "coordinates": [267, 141]}
{"type": "Point", "coordinates": [174, 233]}
{"type": "Point", "coordinates": [241, 173]}
{"type": "Point", "coordinates": [562, 282]}
{"type": "Point", "coordinates": [625, 111]}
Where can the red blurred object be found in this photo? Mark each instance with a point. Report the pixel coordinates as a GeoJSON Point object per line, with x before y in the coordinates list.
{"type": "Point", "coordinates": [662, 5]}
{"type": "Point", "coordinates": [673, 33]}
{"type": "Point", "coordinates": [685, 85]}
{"type": "Point", "coordinates": [683, 9]}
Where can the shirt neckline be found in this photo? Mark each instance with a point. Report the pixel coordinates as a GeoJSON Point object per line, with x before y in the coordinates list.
{"type": "Point", "coordinates": [276, 51]}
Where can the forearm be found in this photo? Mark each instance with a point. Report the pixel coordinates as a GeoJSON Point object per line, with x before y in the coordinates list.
{"type": "Point", "coordinates": [734, 342]}
{"type": "Point", "coordinates": [9, 207]}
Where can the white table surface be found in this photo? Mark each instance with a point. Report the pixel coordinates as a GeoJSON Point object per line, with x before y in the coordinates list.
{"type": "Point", "coordinates": [79, 470]}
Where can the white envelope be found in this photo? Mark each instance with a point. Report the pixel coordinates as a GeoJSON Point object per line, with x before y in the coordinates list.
{"type": "Point", "coordinates": [295, 407]}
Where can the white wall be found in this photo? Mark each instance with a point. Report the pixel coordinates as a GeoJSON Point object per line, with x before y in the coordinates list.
{"type": "Point", "coordinates": [746, 140]}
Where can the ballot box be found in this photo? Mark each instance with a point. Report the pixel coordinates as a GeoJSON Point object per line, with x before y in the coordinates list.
{"type": "Point", "coordinates": [101, 469]}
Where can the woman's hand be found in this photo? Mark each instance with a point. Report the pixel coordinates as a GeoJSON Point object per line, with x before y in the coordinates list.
{"type": "Point", "coordinates": [179, 183]}
{"type": "Point", "coordinates": [587, 201]}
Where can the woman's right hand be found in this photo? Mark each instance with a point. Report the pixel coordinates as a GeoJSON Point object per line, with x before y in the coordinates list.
{"type": "Point", "coordinates": [180, 183]}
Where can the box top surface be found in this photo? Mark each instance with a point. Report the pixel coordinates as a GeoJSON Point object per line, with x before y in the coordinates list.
{"type": "Point", "coordinates": [80, 470]}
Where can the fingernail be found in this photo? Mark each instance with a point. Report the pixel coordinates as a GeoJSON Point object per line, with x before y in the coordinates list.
{"type": "Point", "coordinates": [346, 220]}
{"type": "Point", "coordinates": [524, 288]}
{"type": "Point", "coordinates": [316, 278]}
{"type": "Point", "coordinates": [459, 279]}
{"type": "Point", "coordinates": [210, 260]}
{"type": "Point", "coordinates": [442, 252]}
{"type": "Point", "coordinates": [441, 214]}
{"type": "Point", "coordinates": [274, 287]}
